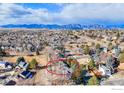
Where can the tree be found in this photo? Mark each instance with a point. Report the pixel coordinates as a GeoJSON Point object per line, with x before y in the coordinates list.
{"type": "Point", "coordinates": [46, 43]}
{"type": "Point", "coordinates": [37, 52]}
{"type": "Point", "coordinates": [19, 59]}
{"type": "Point", "coordinates": [2, 52]}
{"type": "Point", "coordinates": [93, 81]}
{"type": "Point", "coordinates": [93, 43]}
{"type": "Point", "coordinates": [118, 35]}
{"type": "Point", "coordinates": [82, 46]}
{"type": "Point", "coordinates": [91, 64]}
{"type": "Point", "coordinates": [83, 67]}
{"type": "Point", "coordinates": [76, 68]}
{"type": "Point", "coordinates": [72, 63]}
{"type": "Point", "coordinates": [110, 46]}
{"type": "Point", "coordinates": [33, 64]}
{"type": "Point", "coordinates": [121, 57]}
{"type": "Point", "coordinates": [97, 46]}
{"type": "Point", "coordinates": [76, 74]}
{"type": "Point", "coordinates": [86, 49]}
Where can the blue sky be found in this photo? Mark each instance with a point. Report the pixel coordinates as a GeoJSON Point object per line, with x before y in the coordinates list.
{"type": "Point", "coordinates": [52, 13]}
{"type": "Point", "coordinates": [51, 7]}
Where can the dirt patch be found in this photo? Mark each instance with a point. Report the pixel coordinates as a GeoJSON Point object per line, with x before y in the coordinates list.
{"type": "Point", "coordinates": [41, 59]}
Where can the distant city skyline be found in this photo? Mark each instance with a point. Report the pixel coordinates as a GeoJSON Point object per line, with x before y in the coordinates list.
{"type": "Point", "coordinates": [60, 13]}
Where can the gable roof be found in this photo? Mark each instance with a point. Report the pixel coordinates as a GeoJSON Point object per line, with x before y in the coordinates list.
{"type": "Point", "coordinates": [23, 64]}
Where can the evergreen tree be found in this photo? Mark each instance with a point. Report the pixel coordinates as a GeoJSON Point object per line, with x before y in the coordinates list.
{"type": "Point", "coordinates": [91, 64]}
{"type": "Point", "coordinates": [93, 81]}
{"type": "Point", "coordinates": [19, 59]}
{"type": "Point", "coordinates": [86, 49]}
{"type": "Point", "coordinates": [97, 46]}
{"type": "Point", "coordinates": [37, 52]}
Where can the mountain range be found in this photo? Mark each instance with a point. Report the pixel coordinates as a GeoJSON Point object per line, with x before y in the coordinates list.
{"type": "Point", "coordinates": [56, 26]}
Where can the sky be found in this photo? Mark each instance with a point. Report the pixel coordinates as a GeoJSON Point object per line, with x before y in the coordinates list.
{"type": "Point", "coordinates": [60, 13]}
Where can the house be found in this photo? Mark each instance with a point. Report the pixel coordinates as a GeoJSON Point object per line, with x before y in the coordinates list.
{"type": "Point", "coordinates": [103, 57]}
{"type": "Point", "coordinates": [5, 65]}
{"type": "Point", "coordinates": [104, 70]}
{"type": "Point", "coordinates": [121, 38]}
{"type": "Point", "coordinates": [82, 59]}
{"type": "Point", "coordinates": [114, 38]}
{"type": "Point", "coordinates": [22, 65]}
{"type": "Point", "coordinates": [96, 58]}
{"type": "Point", "coordinates": [105, 50]}
{"type": "Point", "coordinates": [116, 51]}
{"type": "Point", "coordinates": [26, 74]}
{"type": "Point", "coordinates": [89, 43]}
{"type": "Point", "coordinates": [106, 38]}
{"type": "Point", "coordinates": [109, 63]}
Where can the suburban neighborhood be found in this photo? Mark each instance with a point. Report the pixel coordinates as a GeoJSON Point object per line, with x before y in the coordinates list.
{"type": "Point", "coordinates": [61, 57]}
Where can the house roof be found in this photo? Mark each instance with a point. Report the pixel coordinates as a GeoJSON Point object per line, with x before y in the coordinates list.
{"type": "Point", "coordinates": [26, 73]}
{"type": "Point", "coordinates": [5, 63]}
{"type": "Point", "coordinates": [23, 64]}
{"type": "Point", "coordinates": [2, 62]}
{"type": "Point", "coordinates": [104, 67]}
{"type": "Point", "coordinates": [103, 56]}
{"type": "Point", "coordinates": [96, 57]}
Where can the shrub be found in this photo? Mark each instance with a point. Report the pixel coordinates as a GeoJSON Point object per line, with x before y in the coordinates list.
{"type": "Point", "coordinates": [121, 57]}
{"type": "Point", "coordinates": [33, 64]}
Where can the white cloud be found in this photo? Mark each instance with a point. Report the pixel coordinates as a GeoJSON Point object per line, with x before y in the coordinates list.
{"type": "Point", "coordinates": [17, 14]}
{"type": "Point", "coordinates": [110, 12]}
{"type": "Point", "coordinates": [71, 13]}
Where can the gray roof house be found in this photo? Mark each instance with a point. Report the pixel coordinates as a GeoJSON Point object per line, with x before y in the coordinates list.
{"type": "Point", "coordinates": [22, 65]}
{"type": "Point", "coordinates": [5, 65]}
{"type": "Point", "coordinates": [104, 70]}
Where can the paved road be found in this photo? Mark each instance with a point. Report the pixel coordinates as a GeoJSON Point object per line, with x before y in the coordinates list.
{"type": "Point", "coordinates": [114, 82]}
{"type": "Point", "coordinates": [116, 79]}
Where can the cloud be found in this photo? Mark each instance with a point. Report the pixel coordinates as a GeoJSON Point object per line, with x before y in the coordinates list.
{"type": "Point", "coordinates": [12, 10]}
{"type": "Point", "coordinates": [17, 14]}
{"type": "Point", "coordinates": [93, 12]}
{"type": "Point", "coordinates": [70, 13]}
